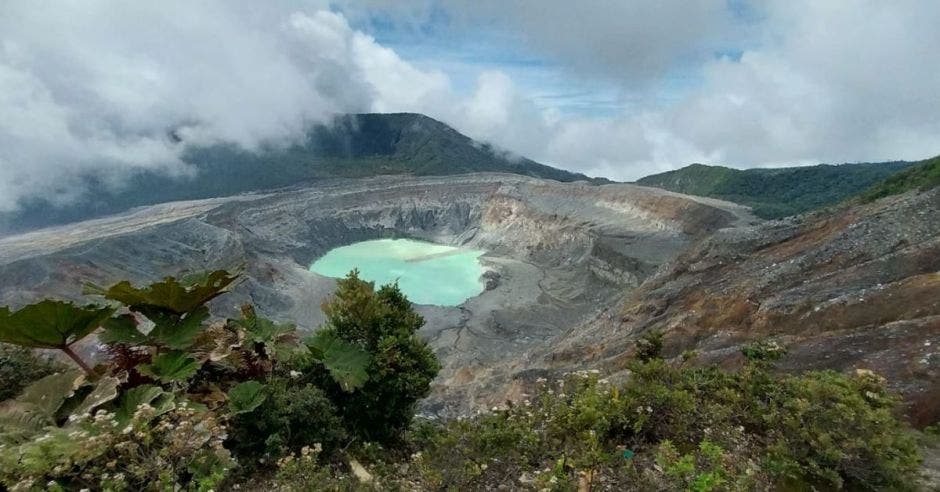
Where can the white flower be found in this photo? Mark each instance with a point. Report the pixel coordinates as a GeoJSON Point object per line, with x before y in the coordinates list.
{"type": "Point", "coordinates": [296, 374]}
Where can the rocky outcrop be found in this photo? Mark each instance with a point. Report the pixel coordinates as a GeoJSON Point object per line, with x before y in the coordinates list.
{"type": "Point", "coordinates": [558, 254]}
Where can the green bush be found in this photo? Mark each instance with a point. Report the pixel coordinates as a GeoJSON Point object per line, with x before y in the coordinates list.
{"type": "Point", "coordinates": [179, 449]}
{"type": "Point", "coordinates": [19, 366]}
{"type": "Point", "coordinates": [650, 346]}
{"type": "Point", "coordinates": [671, 427]}
{"type": "Point", "coordinates": [400, 366]}
{"type": "Point", "coordinates": [292, 416]}
{"type": "Point", "coordinates": [838, 430]}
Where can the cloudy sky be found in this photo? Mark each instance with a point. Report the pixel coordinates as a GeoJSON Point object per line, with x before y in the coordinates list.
{"type": "Point", "coordinates": [610, 88]}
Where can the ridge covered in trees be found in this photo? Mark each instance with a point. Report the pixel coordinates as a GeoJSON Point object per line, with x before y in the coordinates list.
{"type": "Point", "coordinates": [774, 193]}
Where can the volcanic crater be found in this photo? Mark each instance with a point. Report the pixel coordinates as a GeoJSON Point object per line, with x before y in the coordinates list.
{"type": "Point", "coordinates": [555, 254]}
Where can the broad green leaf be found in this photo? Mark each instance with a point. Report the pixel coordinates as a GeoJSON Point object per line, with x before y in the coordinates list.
{"type": "Point", "coordinates": [106, 389]}
{"type": "Point", "coordinates": [169, 294]}
{"type": "Point", "coordinates": [170, 366]}
{"type": "Point", "coordinates": [122, 330]}
{"type": "Point", "coordinates": [50, 324]}
{"type": "Point", "coordinates": [195, 405]}
{"type": "Point", "coordinates": [178, 334]}
{"type": "Point", "coordinates": [133, 398]}
{"type": "Point", "coordinates": [48, 393]}
{"type": "Point", "coordinates": [264, 331]}
{"type": "Point", "coordinates": [20, 420]}
{"type": "Point", "coordinates": [346, 362]}
{"type": "Point", "coordinates": [246, 397]}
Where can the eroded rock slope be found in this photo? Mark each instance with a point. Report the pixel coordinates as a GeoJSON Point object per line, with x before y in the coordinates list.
{"type": "Point", "coordinates": [853, 288]}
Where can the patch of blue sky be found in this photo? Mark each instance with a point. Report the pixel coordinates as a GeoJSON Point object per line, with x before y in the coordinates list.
{"type": "Point", "coordinates": [435, 42]}
{"type": "Point", "coordinates": [464, 55]}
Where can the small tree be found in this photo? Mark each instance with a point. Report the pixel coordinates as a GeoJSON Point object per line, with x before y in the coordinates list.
{"type": "Point", "coordinates": [650, 346]}
{"type": "Point", "coordinates": [383, 323]}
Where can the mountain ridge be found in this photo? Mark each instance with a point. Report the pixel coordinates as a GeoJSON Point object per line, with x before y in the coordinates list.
{"type": "Point", "coordinates": [352, 146]}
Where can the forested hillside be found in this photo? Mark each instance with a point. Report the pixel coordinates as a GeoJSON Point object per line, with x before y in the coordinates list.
{"type": "Point", "coordinates": [779, 192]}
{"type": "Point", "coordinates": [924, 175]}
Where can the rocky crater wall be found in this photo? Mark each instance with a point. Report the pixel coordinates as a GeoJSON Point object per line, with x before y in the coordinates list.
{"type": "Point", "coordinates": [557, 254]}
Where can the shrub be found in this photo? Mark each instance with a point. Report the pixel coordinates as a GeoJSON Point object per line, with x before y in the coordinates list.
{"type": "Point", "coordinates": [706, 467]}
{"type": "Point", "coordinates": [19, 366]}
{"type": "Point", "coordinates": [400, 366]}
{"type": "Point", "coordinates": [671, 427]}
{"type": "Point", "coordinates": [649, 346]}
{"type": "Point", "coordinates": [179, 449]}
{"type": "Point", "coordinates": [838, 430]}
{"type": "Point", "coordinates": [292, 416]}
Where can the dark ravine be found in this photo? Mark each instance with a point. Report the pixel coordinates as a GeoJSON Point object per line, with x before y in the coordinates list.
{"type": "Point", "coordinates": [562, 252]}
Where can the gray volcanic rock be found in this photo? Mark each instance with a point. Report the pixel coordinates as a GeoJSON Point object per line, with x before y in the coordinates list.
{"type": "Point", "coordinates": [562, 252]}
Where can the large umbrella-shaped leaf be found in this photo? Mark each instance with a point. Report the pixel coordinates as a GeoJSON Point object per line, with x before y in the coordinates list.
{"type": "Point", "coordinates": [170, 366]}
{"type": "Point", "coordinates": [169, 295]}
{"type": "Point", "coordinates": [277, 338]}
{"type": "Point", "coordinates": [133, 398]}
{"type": "Point", "coordinates": [48, 393]}
{"type": "Point", "coordinates": [50, 324]}
{"type": "Point", "coordinates": [246, 397]}
{"type": "Point", "coordinates": [105, 390]}
{"type": "Point", "coordinates": [168, 331]}
{"type": "Point", "coordinates": [122, 330]}
{"type": "Point", "coordinates": [178, 333]}
{"type": "Point", "coordinates": [346, 362]}
{"type": "Point", "coordinates": [37, 405]}
{"type": "Point", "coordinates": [263, 330]}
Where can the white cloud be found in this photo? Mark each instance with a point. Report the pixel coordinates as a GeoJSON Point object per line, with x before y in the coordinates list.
{"type": "Point", "coordinates": [815, 82]}
{"type": "Point", "coordinates": [93, 88]}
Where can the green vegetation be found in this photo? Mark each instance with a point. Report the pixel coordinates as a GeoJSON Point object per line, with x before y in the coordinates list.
{"type": "Point", "coordinates": [671, 427]}
{"type": "Point", "coordinates": [191, 403]}
{"type": "Point", "coordinates": [196, 405]}
{"type": "Point", "coordinates": [19, 366]}
{"type": "Point", "coordinates": [354, 146]}
{"type": "Point", "coordinates": [923, 176]}
{"type": "Point", "coordinates": [779, 192]}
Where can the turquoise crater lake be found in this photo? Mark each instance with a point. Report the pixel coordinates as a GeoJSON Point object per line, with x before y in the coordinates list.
{"type": "Point", "coordinates": [427, 273]}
